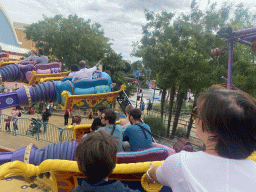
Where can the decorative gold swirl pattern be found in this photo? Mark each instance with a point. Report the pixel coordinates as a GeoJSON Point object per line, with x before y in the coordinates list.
{"type": "Point", "coordinates": [28, 96]}
{"type": "Point", "coordinates": [27, 153]}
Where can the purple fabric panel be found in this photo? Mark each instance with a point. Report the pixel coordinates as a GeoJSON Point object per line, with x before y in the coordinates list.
{"type": "Point", "coordinates": [21, 78]}
{"type": "Point", "coordinates": [28, 75]}
{"type": "Point", "coordinates": [5, 157]}
{"type": "Point", "coordinates": [27, 62]}
{"type": "Point", "coordinates": [151, 156]}
{"type": "Point", "coordinates": [22, 96]}
{"type": "Point", "coordinates": [19, 154]}
{"type": "Point", "coordinates": [48, 66]}
{"type": "Point", "coordinates": [43, 71]}
{"type": "Point", "coordinates": [171, 151]}
{"type": "Point", "coordinates": [25, 68]}
{"type": "Point", "coordinates": [32, 154]}
{"type": "Point", "coordinates": [73, 148]}
{"type": "Point", "coordinates": [8, 100]}
{"type": "Point", "coordinates": [55, 70]}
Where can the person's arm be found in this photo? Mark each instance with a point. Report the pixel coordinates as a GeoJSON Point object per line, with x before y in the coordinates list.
{"type": "Point", "coordinates": [97, 65]}
{"type": "Point", "coordinates": [121, 123]}
{"type": "Point", "coordinates": [92, 69]}
{"type": "Point", "coordinates": [151, 174]}
{"type": "Point", "coordinates": [126, 135]}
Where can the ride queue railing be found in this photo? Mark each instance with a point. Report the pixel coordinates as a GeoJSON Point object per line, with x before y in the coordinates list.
{"type": "Point", "coordinates": [25, 127]}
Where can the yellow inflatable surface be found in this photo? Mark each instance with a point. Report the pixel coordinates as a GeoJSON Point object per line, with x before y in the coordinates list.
{"type": "Point", "coordinates": [253, 156]}
{"type": "Point", "coordinates": [63, 170]}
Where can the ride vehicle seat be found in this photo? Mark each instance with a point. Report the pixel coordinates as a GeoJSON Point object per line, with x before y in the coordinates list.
{"type": "Point", "coordinates": [158, 152]}
{"type": "Point", "coordinates": [27, 62]}
{"type": "Point", "coordinates": [47, 68]}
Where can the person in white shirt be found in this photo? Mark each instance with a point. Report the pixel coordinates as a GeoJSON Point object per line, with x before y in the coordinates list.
{"type": "Point", "coordinates": [226, 123]}
{"type": "Point", "coordinates": [84, 73]}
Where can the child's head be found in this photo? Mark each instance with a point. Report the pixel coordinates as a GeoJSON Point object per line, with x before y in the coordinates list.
{"type": "Point", "coordinates": [96, 155]}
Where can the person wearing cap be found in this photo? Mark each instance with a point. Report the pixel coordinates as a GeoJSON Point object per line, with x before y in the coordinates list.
{"type": "Point", "coordinates": [32, 56]}
{"type": "Point", "coordinates": [84, 73]}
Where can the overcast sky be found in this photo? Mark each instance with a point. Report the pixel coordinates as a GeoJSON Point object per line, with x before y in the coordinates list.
{"type": "Point", "coordinates": [121, 20]}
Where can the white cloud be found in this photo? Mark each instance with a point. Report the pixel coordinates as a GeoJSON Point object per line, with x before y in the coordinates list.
{"type": "Point", "coordinates": [120, 19]}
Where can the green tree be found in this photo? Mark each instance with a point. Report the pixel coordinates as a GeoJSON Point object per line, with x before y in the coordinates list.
{"type": "Point", "coordinates": [116, 68]}
{"type": "Point", "coordinates": [69, 40]}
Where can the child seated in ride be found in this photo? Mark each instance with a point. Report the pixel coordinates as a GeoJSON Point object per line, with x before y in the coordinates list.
{"type": "Point", "coordinates": [96, 159]}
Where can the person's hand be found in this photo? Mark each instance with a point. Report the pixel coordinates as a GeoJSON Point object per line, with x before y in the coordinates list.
{"type": "Point", "coordinates": [150, 180]}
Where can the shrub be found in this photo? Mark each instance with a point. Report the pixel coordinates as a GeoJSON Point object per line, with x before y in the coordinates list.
{"type": "Point", "coordinates": [156, 125]}
{"type": "Point", "coordinates": [157, 106]}
{"type": "Point", "coordinates": [181, 132]}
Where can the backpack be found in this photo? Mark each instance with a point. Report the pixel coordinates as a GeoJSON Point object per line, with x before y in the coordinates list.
{"type": "Point", "coordinates": [182, 145]}
{"type": "Point", "coordinates": [19, 114]}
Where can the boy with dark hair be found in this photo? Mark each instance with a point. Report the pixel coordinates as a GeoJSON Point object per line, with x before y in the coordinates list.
{"type": "Point", "coordinates": [108, 118]}
{"type": "Point", "coordinates": [97, 121]}
{"type": "Point", "coordinates": [137, 134]}
{"type": "Point", "coordinates": [96, 159]}
{"type": "Point", "coordinates": [74, 68]}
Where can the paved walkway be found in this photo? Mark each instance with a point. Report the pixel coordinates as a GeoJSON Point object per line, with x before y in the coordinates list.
{"type": "Point", "coordinates": [12, 143]}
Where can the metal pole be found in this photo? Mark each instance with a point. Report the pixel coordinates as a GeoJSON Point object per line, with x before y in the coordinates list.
{"type": "Point", "coordinates": [137, 98]}
{"type": "Point", "coordinates": [154, 93]}
{"type": "Point", "coordinates": [230, 62]}
{"type": "Point", "coordinates": [244, 31]}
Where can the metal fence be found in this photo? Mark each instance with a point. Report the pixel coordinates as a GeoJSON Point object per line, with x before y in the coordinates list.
{"type": "Point", "coordinates": [182, 123]}
{"type": "Point", "coordinates": [35, 129]}
{"type": "Point", "coordinates": [55, 134]}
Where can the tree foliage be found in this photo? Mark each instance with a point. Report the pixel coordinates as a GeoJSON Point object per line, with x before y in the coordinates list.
{"type": "Point", "coordinates": [69, 40]}
{"type": "Point", "coordinates": [177, 48]}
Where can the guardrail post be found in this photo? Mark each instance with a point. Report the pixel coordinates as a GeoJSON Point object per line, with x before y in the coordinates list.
{"type": "Point", "coordinates": [60, 136]}
{"type": "Point", "coordinates": [38, 131]}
